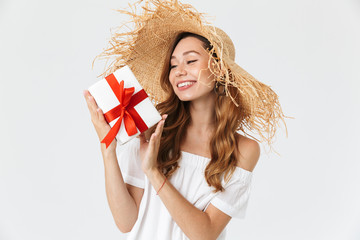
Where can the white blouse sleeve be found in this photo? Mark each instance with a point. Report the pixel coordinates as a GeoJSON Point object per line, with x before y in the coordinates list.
{"type": "Point", "coordinates": [130, 163]}
{"type": "Point", "coordinates": [234, 199]}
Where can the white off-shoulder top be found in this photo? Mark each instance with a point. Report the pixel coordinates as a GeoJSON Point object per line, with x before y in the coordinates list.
{"type": "Point", "coordinates": [154, 220]}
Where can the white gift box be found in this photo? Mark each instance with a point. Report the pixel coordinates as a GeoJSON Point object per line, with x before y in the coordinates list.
{"type": "Point", "coordinates": [106, 100]}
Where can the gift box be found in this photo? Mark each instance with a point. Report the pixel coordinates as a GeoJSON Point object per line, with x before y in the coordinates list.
{"type": "Point", "coordinates": [126, 106]}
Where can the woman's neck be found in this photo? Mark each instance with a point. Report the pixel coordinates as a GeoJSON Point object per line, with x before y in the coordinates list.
{"type": "Point", "coordinates": [202, 112]}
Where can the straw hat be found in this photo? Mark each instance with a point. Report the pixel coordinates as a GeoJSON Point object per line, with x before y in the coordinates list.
{"type": "Point", "coordinates": [153, 31]}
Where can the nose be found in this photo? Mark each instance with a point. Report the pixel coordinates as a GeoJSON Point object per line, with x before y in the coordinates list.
{"type": "Point", "coordinates": [180, 70]}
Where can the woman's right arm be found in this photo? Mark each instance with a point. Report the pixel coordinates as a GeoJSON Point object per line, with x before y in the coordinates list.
{"type": "Point", "coordinates": [124, 199]}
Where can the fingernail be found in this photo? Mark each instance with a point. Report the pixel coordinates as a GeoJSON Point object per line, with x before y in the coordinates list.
{"type": "Point", "coordinates": [89, 97]}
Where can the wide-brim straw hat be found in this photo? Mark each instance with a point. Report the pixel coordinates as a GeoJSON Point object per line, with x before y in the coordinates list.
{"type": "Point", "coordinates": [144, 42]}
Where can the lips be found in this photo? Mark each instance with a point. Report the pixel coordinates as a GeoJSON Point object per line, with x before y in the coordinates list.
{"type": "Point", "coordinates": [185, 83]}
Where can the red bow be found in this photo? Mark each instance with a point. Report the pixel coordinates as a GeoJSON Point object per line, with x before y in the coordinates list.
{"type": "Point", "coordinates": [125, 110]}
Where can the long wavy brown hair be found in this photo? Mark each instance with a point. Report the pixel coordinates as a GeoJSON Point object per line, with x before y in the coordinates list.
{"type": "Point", "coordinates": [223, 143]}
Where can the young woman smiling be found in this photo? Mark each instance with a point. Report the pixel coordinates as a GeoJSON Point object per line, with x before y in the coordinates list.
{"type": "Point", "coordinates": [188, 176]}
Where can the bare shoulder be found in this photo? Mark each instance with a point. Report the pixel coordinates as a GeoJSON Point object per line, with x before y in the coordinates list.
{"type": "Point", "coordinates": [248, 152]}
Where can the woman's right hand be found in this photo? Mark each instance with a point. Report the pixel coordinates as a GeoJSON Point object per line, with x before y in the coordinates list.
{"type": "Point", "coordinates": [101, 126]}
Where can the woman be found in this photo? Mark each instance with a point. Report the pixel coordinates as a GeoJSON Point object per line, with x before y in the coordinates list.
{"type": "Point", "coordinates": [189, 175]}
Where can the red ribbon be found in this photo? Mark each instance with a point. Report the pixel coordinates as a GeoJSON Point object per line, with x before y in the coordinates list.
{"type": "Point", "coordinates": [125, 110]}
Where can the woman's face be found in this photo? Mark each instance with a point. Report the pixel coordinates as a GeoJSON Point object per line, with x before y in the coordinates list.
{"type": "Point", "coordinates": [189, 75]}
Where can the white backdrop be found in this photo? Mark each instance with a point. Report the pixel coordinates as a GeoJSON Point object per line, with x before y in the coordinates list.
{"type": "Point", "coordinates": [51, 171]}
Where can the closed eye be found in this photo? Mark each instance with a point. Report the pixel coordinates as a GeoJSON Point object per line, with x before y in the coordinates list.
{"type": "Point", "coordinates": [192, 61]}
{"type": "Point", "coordinates": [188, 62]}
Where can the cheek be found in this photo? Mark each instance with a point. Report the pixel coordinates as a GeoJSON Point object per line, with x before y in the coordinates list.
{"type": "Point", "coordinates": [203, 69]}
{"type": "Point", "coordinates": [172, 78]}
{"type": "Point", "coordinates": [206, 75]}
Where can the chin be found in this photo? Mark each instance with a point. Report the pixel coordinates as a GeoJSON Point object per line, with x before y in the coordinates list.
{"type": "Point", "coordinates": [185, 98]}
{"type": "Point", "coordinates": [192, 97]}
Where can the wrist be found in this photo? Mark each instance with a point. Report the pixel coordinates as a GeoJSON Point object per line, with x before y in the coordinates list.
{"type": "Point", "coordinates": [108, 152]}
{"type": "Point", "coordinates": [156, 178]}
{"type": "Point", "coordinates": [152, 172]}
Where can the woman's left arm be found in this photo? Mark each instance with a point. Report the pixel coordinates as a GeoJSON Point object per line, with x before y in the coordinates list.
{"type": "Point", "coordinates": [195, 223]}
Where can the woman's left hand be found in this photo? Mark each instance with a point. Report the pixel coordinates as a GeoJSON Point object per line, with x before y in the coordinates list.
{"type": "Point", "coordinates": [149, 149]}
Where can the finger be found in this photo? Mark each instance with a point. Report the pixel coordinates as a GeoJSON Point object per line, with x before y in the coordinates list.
{"type": "Point", "coordinates": [162, 127]}
{"type": "Point", "coordinates": [86, 93]}
{"type": "Point", "coordinates": [96, 113]}
{"type": "Point", "coordinates": [158, 133]}
{"type": "Point", "coordinates": [159, 127]}
{"type": "Point", "coordinates": [90, 101]}
{"type": "Point", "coordinates": [152, 142]}
{"type": "Point", "coordinates": [87, 96]}
{"type": "Point", "coordinates": [100, 114]}
{"type": "Point", "coordinates": [142, 138]}
{"type": "Point", "coordinates": [89, 104]}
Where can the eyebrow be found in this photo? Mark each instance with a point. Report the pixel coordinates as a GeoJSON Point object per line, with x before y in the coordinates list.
{"type": "Point", "coordinates": [187, 52]}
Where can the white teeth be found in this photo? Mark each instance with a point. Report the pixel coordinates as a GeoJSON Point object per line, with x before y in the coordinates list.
{"type": "Point", "coordinates": [185, 84]}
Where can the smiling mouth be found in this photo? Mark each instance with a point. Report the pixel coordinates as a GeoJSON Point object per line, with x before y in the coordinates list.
{"type": "Point", "coordinates": [185, 84]}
